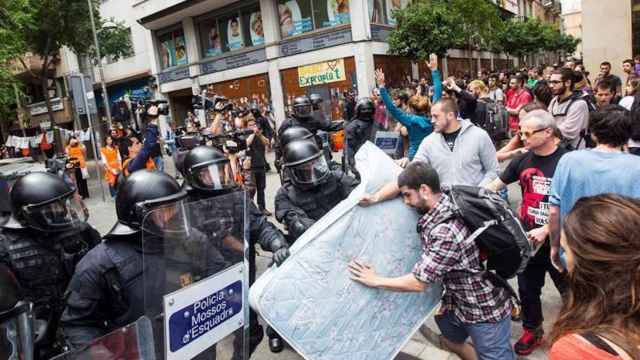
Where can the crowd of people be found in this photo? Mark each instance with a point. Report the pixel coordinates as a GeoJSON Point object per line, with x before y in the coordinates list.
{"type": "Point", "coordinates": [569, 144]}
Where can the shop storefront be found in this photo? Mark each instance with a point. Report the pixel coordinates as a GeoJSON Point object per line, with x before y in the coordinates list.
{"type": "Point", "coordinates": [252, 89]}
{"type": "Point", "coordinates": [397, 70]}
{"type": "Point", "coordinates": [329, 79]}
{"type": "Point", "coordinates": [180, 104]}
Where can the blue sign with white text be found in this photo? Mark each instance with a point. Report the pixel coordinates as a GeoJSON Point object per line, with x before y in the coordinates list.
{"type": "Point", "coordinates": [204, 315]}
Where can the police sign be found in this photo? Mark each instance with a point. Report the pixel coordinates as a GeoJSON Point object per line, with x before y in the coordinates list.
{"type": "Point", "coordinates": [213, 307]}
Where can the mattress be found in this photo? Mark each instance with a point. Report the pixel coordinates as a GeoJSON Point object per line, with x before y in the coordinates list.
{"type": "Point", "coordinates": [310, 299]}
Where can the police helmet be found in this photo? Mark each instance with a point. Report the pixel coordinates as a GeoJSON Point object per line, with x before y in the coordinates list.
{"type": "Point", "coordinates": [316, 100]}
{"type": "Point", "coordinates": [365, 109]}
{"type": "Point", "coordinates": [10, 294]}
{"type": "Point", "coordinates": [305, 163]}
{"type": "Point", "coordinates": [140, 194]}
{"type": "Point", "coordinates": [205, 168]}
{"type": "Point", "coordinates": [302, 107]}
{"type": "Point", "coordinates": [255, 111]}
{"type": "Point", "coordinates": [294, 133]}
{"type": "Point", "coordinates": [45, 202]}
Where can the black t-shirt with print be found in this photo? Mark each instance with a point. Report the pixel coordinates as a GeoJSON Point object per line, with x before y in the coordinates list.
{"type": "Point", "coordinates": [534, 173]}
{"type": "Point", "coordinates": [450, 138]}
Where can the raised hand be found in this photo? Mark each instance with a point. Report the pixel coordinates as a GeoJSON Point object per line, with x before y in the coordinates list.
{"type": "Point", "coordinates": [380, 77]}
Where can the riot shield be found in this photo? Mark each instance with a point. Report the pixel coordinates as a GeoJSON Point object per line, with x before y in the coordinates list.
{"type": "Point", "coordinates": [16, 333]}
{"type": "Point", "coordinates": [132, 342]}
{"type": "Point", "coordinates": [196, 278]}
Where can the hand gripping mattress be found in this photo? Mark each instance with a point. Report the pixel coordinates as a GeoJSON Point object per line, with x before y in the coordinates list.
{"type": "Point", "coordinates": [310, 299]}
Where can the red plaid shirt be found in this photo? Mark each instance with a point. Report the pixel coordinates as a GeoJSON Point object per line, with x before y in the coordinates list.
{"type": "Point", "coordinates": [451, 258]}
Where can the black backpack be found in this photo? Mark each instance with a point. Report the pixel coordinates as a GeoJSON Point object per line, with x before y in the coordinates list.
{"type": "Point", "coordinates": [585, 134]}
{"type": "Point", "coordinates": [498, 233]}
{"type": "Point", "coordinates": [496, 119]}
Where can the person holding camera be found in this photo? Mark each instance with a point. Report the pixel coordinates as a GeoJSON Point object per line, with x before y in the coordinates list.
{"type": "Point", "coordinates": [256, 149]}
{"type": "Point", "coordinates": [140, 154]}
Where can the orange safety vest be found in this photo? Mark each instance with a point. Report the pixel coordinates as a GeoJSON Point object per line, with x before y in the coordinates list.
{"type": "Point", "coordinates": [76, 152]}
{"type": "Point", "coordinates": [150, 165]}
{"type": "Point", "coordinates": [110, 156]}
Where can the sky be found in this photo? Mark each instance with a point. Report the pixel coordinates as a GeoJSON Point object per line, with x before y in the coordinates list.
{"type": "Point", "coordinates": [571, 5]}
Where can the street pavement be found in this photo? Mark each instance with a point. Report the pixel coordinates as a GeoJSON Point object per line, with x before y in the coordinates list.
{"type": "Point", "coordinates": [103, 216]}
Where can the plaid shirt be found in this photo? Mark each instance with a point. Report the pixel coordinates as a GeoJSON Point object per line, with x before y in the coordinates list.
{"type": "Point", "coordinates": [451, 258]}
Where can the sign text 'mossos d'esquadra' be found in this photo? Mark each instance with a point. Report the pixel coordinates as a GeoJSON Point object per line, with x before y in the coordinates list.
{"type": "Point", "coordinates": [204, 315]}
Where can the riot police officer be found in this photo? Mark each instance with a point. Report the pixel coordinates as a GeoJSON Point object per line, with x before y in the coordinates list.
{"type": "Point", "coordinates": [41, 243]}
{"type": "Point", "coordinates": [207, 175]}
{"type": "Point", "coordinates": [289, 135]}
{"type": "Point", "coordinates": [314, 188]}
{"type": "Point", "coordinates": [359, 130]}
{"type": "Point", "coordinates": [107, 290]}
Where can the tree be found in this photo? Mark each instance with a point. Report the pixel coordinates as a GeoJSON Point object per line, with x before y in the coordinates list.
{"type": "Point", "coordinates": [58, 23]}
{"type": "Point", "coordinates": [477, 22]}
{"type": "Point", "coordinates": [423, 28]}
{"type": "Point", "coordinates": [519, 38]}
{"type": "Point", "coordinates": [13, 14]}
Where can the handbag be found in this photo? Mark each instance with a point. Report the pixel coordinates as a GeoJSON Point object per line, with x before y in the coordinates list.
{"type": "Point", "coordinates": [85, 173]}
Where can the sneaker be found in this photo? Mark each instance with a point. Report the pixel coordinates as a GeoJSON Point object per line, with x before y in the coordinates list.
{"type": "Point", "coordinates": [434, 338]}
{"type": "Point", "coordinates": [529, 341]}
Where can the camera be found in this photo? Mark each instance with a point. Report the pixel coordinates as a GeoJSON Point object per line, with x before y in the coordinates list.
{"type": "Point", "coordinates": [216, 103]}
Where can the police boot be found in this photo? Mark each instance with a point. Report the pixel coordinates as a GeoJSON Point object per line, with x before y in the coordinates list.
{"type": "Point", "coordinates": [276, 343]}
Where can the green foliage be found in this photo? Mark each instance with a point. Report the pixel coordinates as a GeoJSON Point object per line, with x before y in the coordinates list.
{"type": "Point", "coordinates": [477, 22]}
{"type": "Point", "coordinates": [114, 39]}
{"type": "Point", "coordinates": [423, 28]}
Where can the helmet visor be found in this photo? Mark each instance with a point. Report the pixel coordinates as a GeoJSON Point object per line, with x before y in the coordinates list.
{"type": "Point", "coordinates": [167, 219]}
{"type": "Point", "coordinates": [215, 176]}
{"type": "Point", "coordinates": [302, 110]}
{"type": "Point", "coordinates": [58, 215]}
{"type": "Point", "coordinates": [310, 172]}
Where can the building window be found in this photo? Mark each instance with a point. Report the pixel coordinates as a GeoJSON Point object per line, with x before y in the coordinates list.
{"type": "Point", "coordinates": [173, 49]}
{"type": "Point", "coordinates": [300, 16]}
{"type": "Point", "coordinates": [635, 27]}
{"type": "Point", "coordinates": [231, 31]}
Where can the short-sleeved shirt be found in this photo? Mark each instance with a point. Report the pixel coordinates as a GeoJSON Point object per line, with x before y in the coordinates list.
{"type": "Point", "coordinates": [534, 172]}
{"type": "Point", "coordinates": [514, 101]}
{"type": "Point", "coordinates": [450, 257]}
{"type": "Point", "coordinates": [591, 172]}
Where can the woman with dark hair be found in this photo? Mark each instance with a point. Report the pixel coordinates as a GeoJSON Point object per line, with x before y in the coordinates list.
{"type": "Point", "coordinates": [111, 162]}
{"type": "Point", "coordinates": [600, 319]}
{"type": "Point", "coordinates": [542, 93]}
{"type": "Point", "coordinates": [77, 154]}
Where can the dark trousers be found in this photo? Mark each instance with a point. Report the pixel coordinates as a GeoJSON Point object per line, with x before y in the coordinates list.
{"type": "Point", "coordinates": [530, 284]}
{"type": "Point", "coordinates": [260, 178]}
{"type": "Point", "coordinates": [83, 189]}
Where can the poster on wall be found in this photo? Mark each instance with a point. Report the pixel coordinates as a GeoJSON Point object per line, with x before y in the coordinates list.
{"type": "Point", "coordinates": [167, 52]}
{"type": "Point", "coordinates": [376, 15]}
{"type": "Point", "coordinates": [321, 73]}
{"type": "Point", "coordinates": [256, 29]}
{"type": "Point", "coordinates": [291, 20]}
{"type": "Point", "coordinates": [214, 42]}
{"type": "Point", "coordinates": [181, 50]}
{"type": "Point", "coordinates": [234, 33]}
{"type": "Point", "coordinates": [338, 11]}
{"type": "Point", "coordinates": [393, 5]}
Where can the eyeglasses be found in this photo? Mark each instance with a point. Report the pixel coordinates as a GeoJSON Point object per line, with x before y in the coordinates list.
{"type": "Point", "coordinates": [528, 134]}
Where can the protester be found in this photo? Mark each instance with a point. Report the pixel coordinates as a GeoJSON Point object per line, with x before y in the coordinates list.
{"type": "Point", "coordinates": [599, 319]}
{"type": "Point", "coordinates": [604, 169]}
{"type": "Point", "coordinates": [112, 164]}
{"type": "Point", "coordinates": [495, 92]}
{"type": "Point", "coordinates": [629, 71]}
{"type": "Point", "coordinates": [77, 154]}
{"type": "Point", "coordinates": [605, 93]}
{"type": "Point", "coordinates": [466, 102]}
{"type": "Point", "coordinates": [570, 110]}
{"type": "Point", "coordinates": [256, 150]}
{"type": "Point", "coordinates": [630, 90]}
{"type": "Point", "coordinates": [380, 117]}
{"type": "Point", "coordinates": [471, 305]}
{"type": "Point", "coordinates": [140, 154]}
{"type": "Point", "coordinates": [534, 171]}
{"type": "Point", "coordinates": [605, 73]}
{"type": "Point", "coordinates": [418, 123]}
{"type": "Point", "coordinates": [518, 98]}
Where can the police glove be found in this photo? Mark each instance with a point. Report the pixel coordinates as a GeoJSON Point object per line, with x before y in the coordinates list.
{"type": "Point", "coordinates": [280, 252]}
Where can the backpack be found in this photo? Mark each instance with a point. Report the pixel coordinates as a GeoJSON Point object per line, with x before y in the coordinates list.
{"type": "Point", "coordinates": [585, 134]}
{"type": "Point", "coordinates": [493, 118]}
{"type": "Point", "coordinates": [635, 118]}
{"type": "Point", "coordinates": [498, 233]}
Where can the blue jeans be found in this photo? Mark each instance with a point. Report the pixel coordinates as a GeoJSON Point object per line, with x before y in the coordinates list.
{"type": "Point", "coordinates": [159, 162]}
{"type": "Point", "coordinates": [492, 341]}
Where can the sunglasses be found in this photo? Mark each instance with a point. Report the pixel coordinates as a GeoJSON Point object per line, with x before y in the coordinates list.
{"type": "Point", "coordinates": [528, 134]}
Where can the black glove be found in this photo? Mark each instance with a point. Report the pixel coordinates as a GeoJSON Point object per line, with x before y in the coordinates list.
{"type": "Point", "coordinates": [280, 251]}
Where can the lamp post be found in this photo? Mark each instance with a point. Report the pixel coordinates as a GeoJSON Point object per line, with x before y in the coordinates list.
{"type": "Point", "coordinates": [105, 96]}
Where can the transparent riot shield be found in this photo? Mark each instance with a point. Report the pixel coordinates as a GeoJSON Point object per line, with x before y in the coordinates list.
{"type": "Point", "coordinates": [196, 278]}
{"type": "Point", "coordinates": [16, 333]}
{"type": "Point", "coordinates": [132, 342]}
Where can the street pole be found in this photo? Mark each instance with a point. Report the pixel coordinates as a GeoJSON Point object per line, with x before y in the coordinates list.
{"type": "Point", "coordinates": [93, 135]}
{"type": "Point", "coordinates": [105, 96]}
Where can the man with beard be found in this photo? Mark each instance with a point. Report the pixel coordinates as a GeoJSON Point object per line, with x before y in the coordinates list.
{"type": "Point", "coordinates": [570, 111]}
{"type": "Point", "coordinates": [534, 170]}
